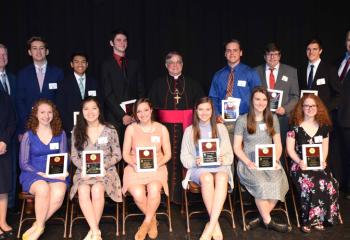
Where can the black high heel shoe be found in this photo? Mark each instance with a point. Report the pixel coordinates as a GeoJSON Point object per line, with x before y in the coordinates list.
{"type": "Point", "coordinates": [8, 234]}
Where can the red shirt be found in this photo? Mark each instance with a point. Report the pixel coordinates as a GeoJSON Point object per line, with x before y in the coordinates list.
{"type": "Point", "coordinates": [118, 59]}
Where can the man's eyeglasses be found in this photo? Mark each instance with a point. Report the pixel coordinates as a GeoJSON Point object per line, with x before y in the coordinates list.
{"type": "Point", "coordinates": [309, 106]}
{"type": "Point", "coordinates": [272, 55]}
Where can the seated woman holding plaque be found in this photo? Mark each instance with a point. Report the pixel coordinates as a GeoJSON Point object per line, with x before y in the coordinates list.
{"type": "Point", "coordinates": [317, 189]}
{"type": "Point", "coordinates": [257, 127]}
{"type": "Point", "coordinates": [146, 150]}
{"type": "Point", "coordinates": [194, 154]}
{"type": "Point", "coordinates": [44, 136]}
{"type": "Point", "coordinates": [95, 152]}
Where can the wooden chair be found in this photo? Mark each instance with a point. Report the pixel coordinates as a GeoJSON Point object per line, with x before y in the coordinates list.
{"type": "Point", "coordinates": [196, 189]}
{"type": "Point", "coordinates": [280, 206]}
{"type": "Point", "coordinates": [24, 196]}
{"type": "Point", "coordinates": [75, 214]}
{"type": "Point", "coordinates": [166, 212]}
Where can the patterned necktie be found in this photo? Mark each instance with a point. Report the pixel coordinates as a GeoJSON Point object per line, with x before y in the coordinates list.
{"type": "Point", "coordinates": [310, 79]}
{"type": "Point", "coordinates": [41, 77]}
{"type": "Point", "coordinates": [3, 82]}
{"type": "Point", "coordinates": [81, 87]}
{"type": "Point", "coordinates": [230, 82]}
{"type": "Point", "coordinates": [345, 70]}
{"type": "Point", "coordinates": [272, 80]}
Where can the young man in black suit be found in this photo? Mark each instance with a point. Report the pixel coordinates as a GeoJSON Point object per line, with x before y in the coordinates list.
{"type": "Point", "coordinates": [320, 76]}
{"type": "Point", "coordinates": [121, 81]}
{"type": "Point", "coordinates": [74, 88]}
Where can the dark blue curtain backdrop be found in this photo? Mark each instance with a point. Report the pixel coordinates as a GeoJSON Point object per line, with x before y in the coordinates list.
{"type": "Point", "coordinates": [198, 29]}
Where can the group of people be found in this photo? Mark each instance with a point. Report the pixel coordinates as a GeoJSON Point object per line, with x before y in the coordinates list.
{"type": "Point", "coordinates": [76, 113]}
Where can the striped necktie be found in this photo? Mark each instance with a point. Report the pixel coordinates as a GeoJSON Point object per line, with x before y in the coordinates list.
{"type": "Point", "coordinates": [81, 87]}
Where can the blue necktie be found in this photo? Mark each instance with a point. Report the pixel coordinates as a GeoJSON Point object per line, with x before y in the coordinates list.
{"type": "Point", "coordinates": [310, 79]}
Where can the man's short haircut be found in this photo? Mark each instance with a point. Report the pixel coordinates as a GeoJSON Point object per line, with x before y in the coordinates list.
{"type": "Point", "coordinates": [233, 40]}
{"type": "Point", "coordinates": [272, 47]}
{"type": "Point", "coordinates": [81, 54]}
{"type": "Point", "coordinates": [3, 46]}
{"type": "Point", "coordinates": [36, 38]}
{"type": "Point", "coordinates": [117, 31]}
{"type": "Point", "coordinates": [314, 41]}
{"type": "Point", "coordinates": [171, 54]}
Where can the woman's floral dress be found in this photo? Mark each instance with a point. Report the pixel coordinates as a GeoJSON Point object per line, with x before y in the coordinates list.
{"type": "Point", "coordinates": [318, 189]}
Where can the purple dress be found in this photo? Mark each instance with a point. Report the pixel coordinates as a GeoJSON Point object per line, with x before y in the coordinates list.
{"type": "Point", "coordinates": [32, 157]}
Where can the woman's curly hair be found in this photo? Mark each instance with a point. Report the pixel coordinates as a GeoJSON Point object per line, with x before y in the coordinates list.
{"type": "Point", "coordinates": [33, 122]}
{"type": "Point", "coordinates": [321, 117]}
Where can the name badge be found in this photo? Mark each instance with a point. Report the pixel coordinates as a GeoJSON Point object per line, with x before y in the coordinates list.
{"type": "Point", "coordinates": [102, 140]}
{"type": "Point", "coordinates": [241, 83]}
{"type": "Point", "coordinates": [321, 81]}
{"type": "Point", "coordinates": [54, 146]}
{"type": "Point", "coordinates": [52, 86]}
{"type": "Point", "coordinates": [284, 78]}
{"type": "Point", "coordinates": [92, 93]}
{"type": "Point", "coordinates": [155, 139]}
{"type": "Point", "coordinates": [318, 139]}
{"type": "Point", "coordinates": [262, 126]}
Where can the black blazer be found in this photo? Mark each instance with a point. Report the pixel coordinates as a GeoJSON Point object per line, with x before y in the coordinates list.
{"type": "Point", "coordinates": [69, 98]}
{"type": "Point", "coordinates": [344, 106]}
{"type": "Point", "coordinates": [329, 92]}
{"type": "Point", "coordinates": [117, 89]}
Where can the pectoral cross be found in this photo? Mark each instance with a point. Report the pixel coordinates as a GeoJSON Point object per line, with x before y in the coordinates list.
{"type": "Point", "coordinates": [177, 97]}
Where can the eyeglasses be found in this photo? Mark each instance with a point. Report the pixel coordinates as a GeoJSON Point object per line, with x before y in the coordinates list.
{"type": "Point", "coordinates": [272, 55]}
{"type": "Point", "coordinates": [309, 106]}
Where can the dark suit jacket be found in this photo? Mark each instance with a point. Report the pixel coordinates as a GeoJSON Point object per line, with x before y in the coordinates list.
{"type": "Point", "coordinates": [117, 89]}
{"type": "Point", "coordinates": [344, 106]}
{"type": "Point", "coordinates": [69, 98]}
{"type": "Point", "coordinates": [329, 92]}
{"type": "Point", "coordinates": [12, 81]}
{"type": "Point", "coordinates": [287, 81]}
{"type": "Point", "coordinates": [28, 91]}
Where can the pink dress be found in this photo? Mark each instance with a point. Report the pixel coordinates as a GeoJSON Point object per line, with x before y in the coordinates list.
{"type": "Point", "coordinates": [143, 139]}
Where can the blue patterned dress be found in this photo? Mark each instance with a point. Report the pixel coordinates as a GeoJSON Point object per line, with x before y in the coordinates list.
{"type": "Point", "coordinates": [317, 190]}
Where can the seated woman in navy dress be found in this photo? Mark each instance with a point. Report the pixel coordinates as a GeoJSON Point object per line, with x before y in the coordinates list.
{"type": "Point", "coordinates": [318, 190]}
{"type": "Point", "coordinates": [213, 179]}
{"type": "Point", "coordinates": [44, 136]}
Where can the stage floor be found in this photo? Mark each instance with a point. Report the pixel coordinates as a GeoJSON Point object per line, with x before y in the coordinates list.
{"type": "Point", "coordinates": [54, 230]}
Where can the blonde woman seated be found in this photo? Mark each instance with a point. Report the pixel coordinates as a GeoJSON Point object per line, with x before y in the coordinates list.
{"type": "Point", "coordinates": [259, 126]}
{"type": "Point", "coordinates": [213, 179]}
{"type": "Point", "coordinates": [318, 190]}
{"type": "Point", "coordinates": [145, 187]}
{"type": "Point", "coordinates": [92, 133]}
{"type": "Point", "coordinates": [44, 136]}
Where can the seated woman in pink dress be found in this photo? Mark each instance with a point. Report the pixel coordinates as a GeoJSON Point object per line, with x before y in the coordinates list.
{"type": "Point", "coordinates": [145, 187]}
{"type": "Point", "coordinates": [44, 136]}
{"type": "Point", "coordinates": [213, 179]}
{"type": "Point", "coordinates": [92, 133]}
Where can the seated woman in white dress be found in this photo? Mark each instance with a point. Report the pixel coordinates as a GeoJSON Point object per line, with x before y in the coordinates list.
{"type": "Point", "coordinates": [213, 179]}
{"type": "Point", "coordinates": [259, 126]}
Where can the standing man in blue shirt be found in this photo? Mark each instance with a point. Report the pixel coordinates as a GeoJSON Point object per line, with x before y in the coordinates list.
{"type": "Point", "coordinates": [243, 80]}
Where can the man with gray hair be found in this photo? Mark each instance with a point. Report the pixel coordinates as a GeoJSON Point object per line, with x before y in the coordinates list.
{"type": "Point", "coordinates": [174, 96]}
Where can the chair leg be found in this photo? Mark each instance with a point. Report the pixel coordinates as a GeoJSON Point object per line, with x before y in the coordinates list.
{"type": "Point", "coordinates": [169, 213]}
{"type": "Point", "coordinates": [117, 219]}
{"type": "Point", "coordinates": [123, 215]}
{"type": "Point", "coordinates": [71, 220]}
{"type": "Point", "coordinates": [231, 210]}
{"type": "Point", "coordinates": [186, 209]}
{"type": "Point", "coordinates": [242, 208]}
{"type": "Point", "coordinates": [66, 219]}
{"type": "Point", "coordinates": [21, 219]}
{"type": "Point", "coordinates": [286, 212]}
{"type": "Point", "coordinates": [295, 207]}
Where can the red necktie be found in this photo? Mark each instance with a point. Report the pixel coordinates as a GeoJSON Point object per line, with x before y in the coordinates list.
{"type": "Point", "coordinates": [343, 73]}
{"type": "Point", "coordinates": [272, 79]}
{"type": "Point", "coordinates": [229, 88]}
